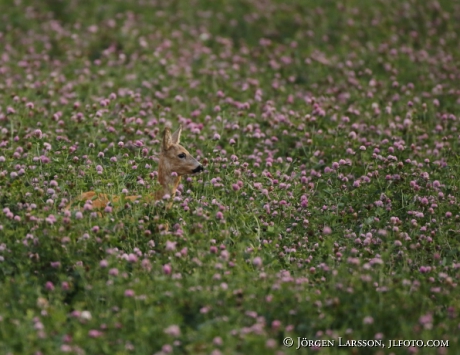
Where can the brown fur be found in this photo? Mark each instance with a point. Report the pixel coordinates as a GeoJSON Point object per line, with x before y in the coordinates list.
{"type": "Point", "coordinates": [169, 163]}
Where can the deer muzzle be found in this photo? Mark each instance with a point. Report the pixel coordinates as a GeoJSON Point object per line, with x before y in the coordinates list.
{"type": "Point", "coordinates": [198, 169]}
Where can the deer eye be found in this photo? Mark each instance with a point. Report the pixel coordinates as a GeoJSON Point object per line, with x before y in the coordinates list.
{"type": "Point", "coordinates": [182, 155]}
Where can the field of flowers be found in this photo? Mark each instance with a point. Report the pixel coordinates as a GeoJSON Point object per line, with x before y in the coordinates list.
{"type": "Point", "coordinates": [329, 205]}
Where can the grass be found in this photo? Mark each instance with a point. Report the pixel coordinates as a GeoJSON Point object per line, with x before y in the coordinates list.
{"type": "Point", "coordinates": [328, 208]}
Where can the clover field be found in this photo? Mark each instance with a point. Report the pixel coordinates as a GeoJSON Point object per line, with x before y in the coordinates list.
{"type": "Point", "coordinates": [329, 204]}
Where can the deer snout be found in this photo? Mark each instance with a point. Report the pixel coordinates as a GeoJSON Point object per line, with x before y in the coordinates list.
{"type": "Point", "coordinates": [198, 169]}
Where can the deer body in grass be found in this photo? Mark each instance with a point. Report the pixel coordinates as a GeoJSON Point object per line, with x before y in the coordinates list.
{"type": "Point", "coordinates": [174, 162]}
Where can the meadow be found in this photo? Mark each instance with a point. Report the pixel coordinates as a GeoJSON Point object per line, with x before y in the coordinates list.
{"type": "Point", "coordinates": [329, 204]}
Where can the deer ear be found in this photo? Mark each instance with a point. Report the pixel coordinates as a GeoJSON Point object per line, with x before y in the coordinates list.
{"type": "Point", "coordinates": [167, 140]}
{"type": "Point", "coordinates": [176, 135]}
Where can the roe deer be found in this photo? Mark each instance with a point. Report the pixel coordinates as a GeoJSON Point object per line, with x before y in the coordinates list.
{"type": "Point", "coordinates": [175, 161]}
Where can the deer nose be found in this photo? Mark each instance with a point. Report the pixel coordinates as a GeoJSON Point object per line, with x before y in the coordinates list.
{"type": "Point", "coordinates": [197, 170]}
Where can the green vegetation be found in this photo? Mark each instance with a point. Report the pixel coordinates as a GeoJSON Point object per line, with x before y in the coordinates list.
{"type": "Point", "coordinates": [329, 204]}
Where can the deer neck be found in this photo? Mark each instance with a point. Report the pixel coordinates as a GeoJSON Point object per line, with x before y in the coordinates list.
{"type": "Point", "coordinates": [168, 184]}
